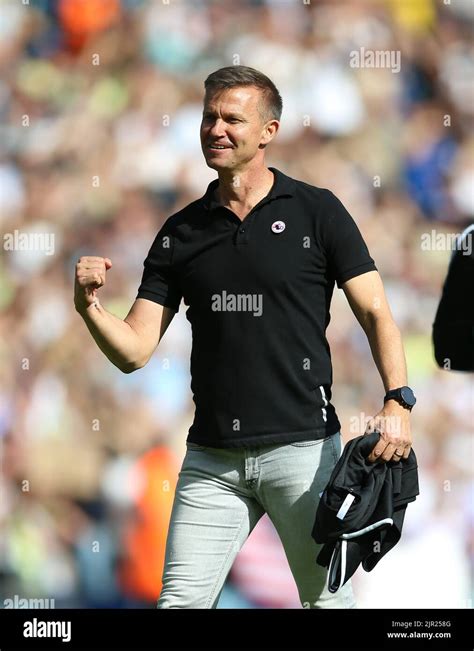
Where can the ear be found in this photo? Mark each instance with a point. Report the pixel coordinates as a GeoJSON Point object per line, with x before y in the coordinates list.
{"type": "Point", "coordinates": [270, 130]}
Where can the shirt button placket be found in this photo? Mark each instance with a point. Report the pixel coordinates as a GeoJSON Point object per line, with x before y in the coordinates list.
{"type": "Point", "coordinates": [242, 233]}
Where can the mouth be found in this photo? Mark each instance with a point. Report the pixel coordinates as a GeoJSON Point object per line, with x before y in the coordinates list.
{"type": "Point", "coordinates": [216, 147]}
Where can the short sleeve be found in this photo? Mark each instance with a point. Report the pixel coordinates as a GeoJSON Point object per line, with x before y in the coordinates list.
{"type": "Point", "coordinates": [159, 282]}
{"type": "Point", "coordinates": [347, 253]}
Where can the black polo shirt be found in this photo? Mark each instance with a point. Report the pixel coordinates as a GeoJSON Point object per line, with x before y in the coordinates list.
{"type": "Point", "coordinates": [258, 292]}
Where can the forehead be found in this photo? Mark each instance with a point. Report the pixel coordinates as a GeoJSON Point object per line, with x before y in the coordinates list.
{"type": "Point", "coordinates": [238, 99]}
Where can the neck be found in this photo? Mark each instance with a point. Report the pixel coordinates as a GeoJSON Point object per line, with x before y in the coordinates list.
{"type": "Point", "coordinates": [243, 189]}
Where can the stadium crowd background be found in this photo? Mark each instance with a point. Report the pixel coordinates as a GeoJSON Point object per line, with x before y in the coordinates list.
{"type": "Point", "coordinates": [100, 104]}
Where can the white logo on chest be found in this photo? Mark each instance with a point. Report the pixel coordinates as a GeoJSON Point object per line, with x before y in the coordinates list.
{"type": "Point", "coordinates": [278, 227]}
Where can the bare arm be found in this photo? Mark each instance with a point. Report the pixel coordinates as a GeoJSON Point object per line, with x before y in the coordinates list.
{"type": "Point", "coordinates": [127, 343]}
{"type": "Point", "coordinates": [366, 296]}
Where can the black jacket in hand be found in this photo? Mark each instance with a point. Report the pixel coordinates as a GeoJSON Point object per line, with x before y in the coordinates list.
{"type": "Point", "coordinates": [361, 511]}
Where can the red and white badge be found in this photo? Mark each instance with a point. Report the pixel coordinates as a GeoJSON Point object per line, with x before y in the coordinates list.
{"type": "Point", "coordinates": [278, 227]}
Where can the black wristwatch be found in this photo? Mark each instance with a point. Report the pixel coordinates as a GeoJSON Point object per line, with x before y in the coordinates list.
{"type": "Point", "coordinates": [403, 395]}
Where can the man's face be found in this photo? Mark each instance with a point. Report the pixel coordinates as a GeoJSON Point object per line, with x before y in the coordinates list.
{"type": "Point", "coordinates": [232, 120]}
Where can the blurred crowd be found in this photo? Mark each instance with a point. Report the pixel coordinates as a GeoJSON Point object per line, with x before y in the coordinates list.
{"type": "Point", "coordinates": [100, 105]}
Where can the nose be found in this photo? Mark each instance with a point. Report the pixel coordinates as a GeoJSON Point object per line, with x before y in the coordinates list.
{"type": "Point", "coordinates": [217, 129]}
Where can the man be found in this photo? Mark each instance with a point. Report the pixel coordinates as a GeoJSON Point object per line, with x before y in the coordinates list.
{"type": "Point", "coordinates": [255, 259]}
{"type": "Point", "coordinates": [453, 327]}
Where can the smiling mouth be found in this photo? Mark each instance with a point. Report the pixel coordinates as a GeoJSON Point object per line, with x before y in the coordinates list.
{"type": "Point", "coordinates": [219, 147]}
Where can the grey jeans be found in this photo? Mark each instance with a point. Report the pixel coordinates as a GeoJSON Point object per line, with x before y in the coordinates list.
{"type": "Point", "coordinates": [220, 496]}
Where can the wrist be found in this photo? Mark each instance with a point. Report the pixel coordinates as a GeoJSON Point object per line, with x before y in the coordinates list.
{"type": "Point", "coordinates": [403, 396]}
{"type": "Point", "coordinates": [394, 405]}
{"type": "Point", "coordinates": [87, 309]}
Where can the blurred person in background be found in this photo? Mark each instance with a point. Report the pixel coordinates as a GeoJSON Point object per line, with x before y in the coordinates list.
{"type": "Point", "coordinates": [453, 327]}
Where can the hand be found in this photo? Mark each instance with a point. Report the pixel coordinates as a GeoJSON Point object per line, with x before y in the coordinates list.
{"type": "Point", "coordinates": [393, 423]}
{"type": "Point", "coordinates": [90, 276]}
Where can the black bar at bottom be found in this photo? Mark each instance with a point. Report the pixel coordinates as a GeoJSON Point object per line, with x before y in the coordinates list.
{"type": "Point", "coordinates": [235, 629]}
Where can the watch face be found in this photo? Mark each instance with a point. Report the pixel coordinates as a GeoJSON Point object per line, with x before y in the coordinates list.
{"type": "Point", "coordinates": [408, 396]}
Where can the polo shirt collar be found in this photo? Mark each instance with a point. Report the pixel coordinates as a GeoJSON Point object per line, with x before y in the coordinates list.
{"type": "Point", "coordinates": [282, 186]}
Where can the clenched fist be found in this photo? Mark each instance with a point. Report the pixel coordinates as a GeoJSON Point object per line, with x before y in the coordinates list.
{"type": "Point", "coordinates": [90, 276]}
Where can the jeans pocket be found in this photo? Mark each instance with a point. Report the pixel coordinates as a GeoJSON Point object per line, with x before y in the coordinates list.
{"type": "Point", "coordinates": [304, 444]}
